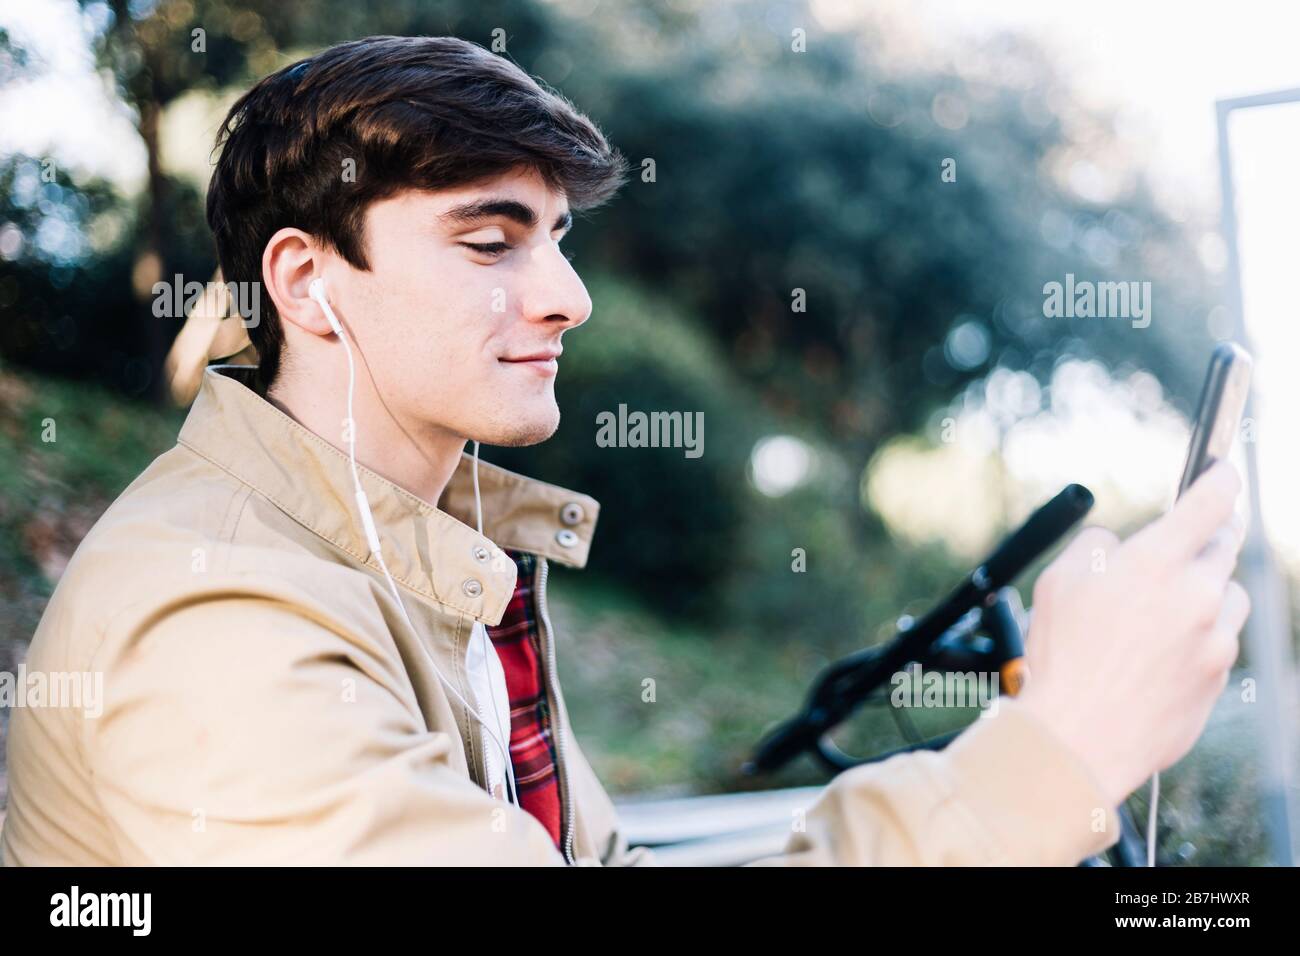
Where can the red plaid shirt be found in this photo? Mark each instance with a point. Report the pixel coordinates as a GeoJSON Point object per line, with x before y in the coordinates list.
{"type": "Point", "coordinates": [517, 640]}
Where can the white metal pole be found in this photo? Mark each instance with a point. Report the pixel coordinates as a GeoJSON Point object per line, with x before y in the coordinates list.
{"type": "Point", "coordinates": [1268, 630]}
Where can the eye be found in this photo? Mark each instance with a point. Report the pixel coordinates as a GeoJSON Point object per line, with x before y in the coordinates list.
{"type": "Point", "coordinates": [488, 248]}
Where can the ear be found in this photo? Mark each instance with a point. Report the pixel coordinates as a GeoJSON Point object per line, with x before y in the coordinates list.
{"type": "Point", "coordinates": [290, 261]}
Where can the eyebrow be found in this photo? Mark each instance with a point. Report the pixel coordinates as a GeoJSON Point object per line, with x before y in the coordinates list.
{"type": "Point", "coordinates": [517, 212]}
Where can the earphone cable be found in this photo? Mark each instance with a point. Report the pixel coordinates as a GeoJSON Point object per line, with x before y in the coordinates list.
{"type": "Point", "coordinates": [368, 521]}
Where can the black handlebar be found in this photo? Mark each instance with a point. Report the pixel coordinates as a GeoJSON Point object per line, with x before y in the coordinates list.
{"type": "Point", "coordinates": [843, 686]}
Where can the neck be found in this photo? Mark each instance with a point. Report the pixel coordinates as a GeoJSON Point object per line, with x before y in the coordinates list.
{"type": "Point", "coordinates": [420, 461]}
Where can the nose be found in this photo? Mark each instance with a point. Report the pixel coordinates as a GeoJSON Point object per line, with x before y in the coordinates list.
{"type": "Point", "coordinates": [556, 294]}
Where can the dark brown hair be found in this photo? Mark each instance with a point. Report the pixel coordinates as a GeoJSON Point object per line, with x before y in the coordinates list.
{"type": "Point", "coordinates": [411, 113]}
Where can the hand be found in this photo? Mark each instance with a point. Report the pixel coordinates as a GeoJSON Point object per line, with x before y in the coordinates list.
{"type": "Point", "coordinates": [1131, 642]}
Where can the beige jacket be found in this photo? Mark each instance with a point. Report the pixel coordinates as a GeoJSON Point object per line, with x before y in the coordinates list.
{"type": "Point", "coordinates": [262, 700]}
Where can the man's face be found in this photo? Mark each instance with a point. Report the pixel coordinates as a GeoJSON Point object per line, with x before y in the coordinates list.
{"type": "Point", "coordinates": [463, 286]}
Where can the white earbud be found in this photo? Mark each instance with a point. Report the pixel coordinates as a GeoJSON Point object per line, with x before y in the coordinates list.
{"type": "Point", "coordinates": [317, 291]}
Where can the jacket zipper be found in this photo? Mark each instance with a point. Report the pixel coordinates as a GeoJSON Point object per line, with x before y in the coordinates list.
{"type": "Point", "coordinates": [553, 696]}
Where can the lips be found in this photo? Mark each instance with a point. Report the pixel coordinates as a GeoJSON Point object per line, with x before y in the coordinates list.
{"type": "Point", "coordinates": [543, 363]}
{"type": "Point", "coordinates": [548, 355]}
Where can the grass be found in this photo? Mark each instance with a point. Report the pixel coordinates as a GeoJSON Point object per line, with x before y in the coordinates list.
{"type": "Point", "coordinates": [66, 451]}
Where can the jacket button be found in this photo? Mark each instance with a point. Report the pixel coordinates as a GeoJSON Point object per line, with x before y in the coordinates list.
{"type": "Point", "coordinates": [571, 513]}
{"type": "Point", "coordinates": [566, 538]}
{"type": "Point", "coordinates": [472, 587]}
{"type": "Point", "coordinates": [481, 554]}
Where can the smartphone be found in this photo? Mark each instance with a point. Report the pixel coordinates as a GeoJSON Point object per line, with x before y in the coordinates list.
{"type": "Point", "coordinates": [1223, 400]}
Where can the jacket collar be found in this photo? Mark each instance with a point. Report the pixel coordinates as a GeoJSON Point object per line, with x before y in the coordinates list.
{"type": "Point", "coordinates": [432, 551]}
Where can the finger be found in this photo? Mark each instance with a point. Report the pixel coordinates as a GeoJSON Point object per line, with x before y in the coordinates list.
{"type": "Point", "coordinates": [1091, 548]}
{"type": "Point", "coordinates": [1235, 610]}
{"type": "Point", "coordinates": [1225, 643]}
{"type": "Point", "coordinates": [1197, 515]}
{"type": "Point", "coordinates": [1239, 527]}
{"type": "Point", "coordinates": [1219, 556]}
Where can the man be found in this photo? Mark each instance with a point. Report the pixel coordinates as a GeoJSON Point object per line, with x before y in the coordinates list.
{"type": "Point", "coordinates": [295, 673]}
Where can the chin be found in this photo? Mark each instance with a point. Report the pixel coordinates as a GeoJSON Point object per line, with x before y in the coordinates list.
{"type": "Point", "coordinates": [529, 430]}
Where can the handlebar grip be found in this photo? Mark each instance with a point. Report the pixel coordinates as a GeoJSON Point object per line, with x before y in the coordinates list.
{"type": "Point", "coordinates": [1035, 536]}
{"type": "Point", "coordinates": [778, 748]}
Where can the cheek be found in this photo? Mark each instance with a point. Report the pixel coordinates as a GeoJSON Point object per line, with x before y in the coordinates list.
{"type": "Point", "coordinates": [437, 312]}
{"type": "Point", "coordinates": [453, 343]}
{"type": "Point", "coordinates": [473, 318]}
